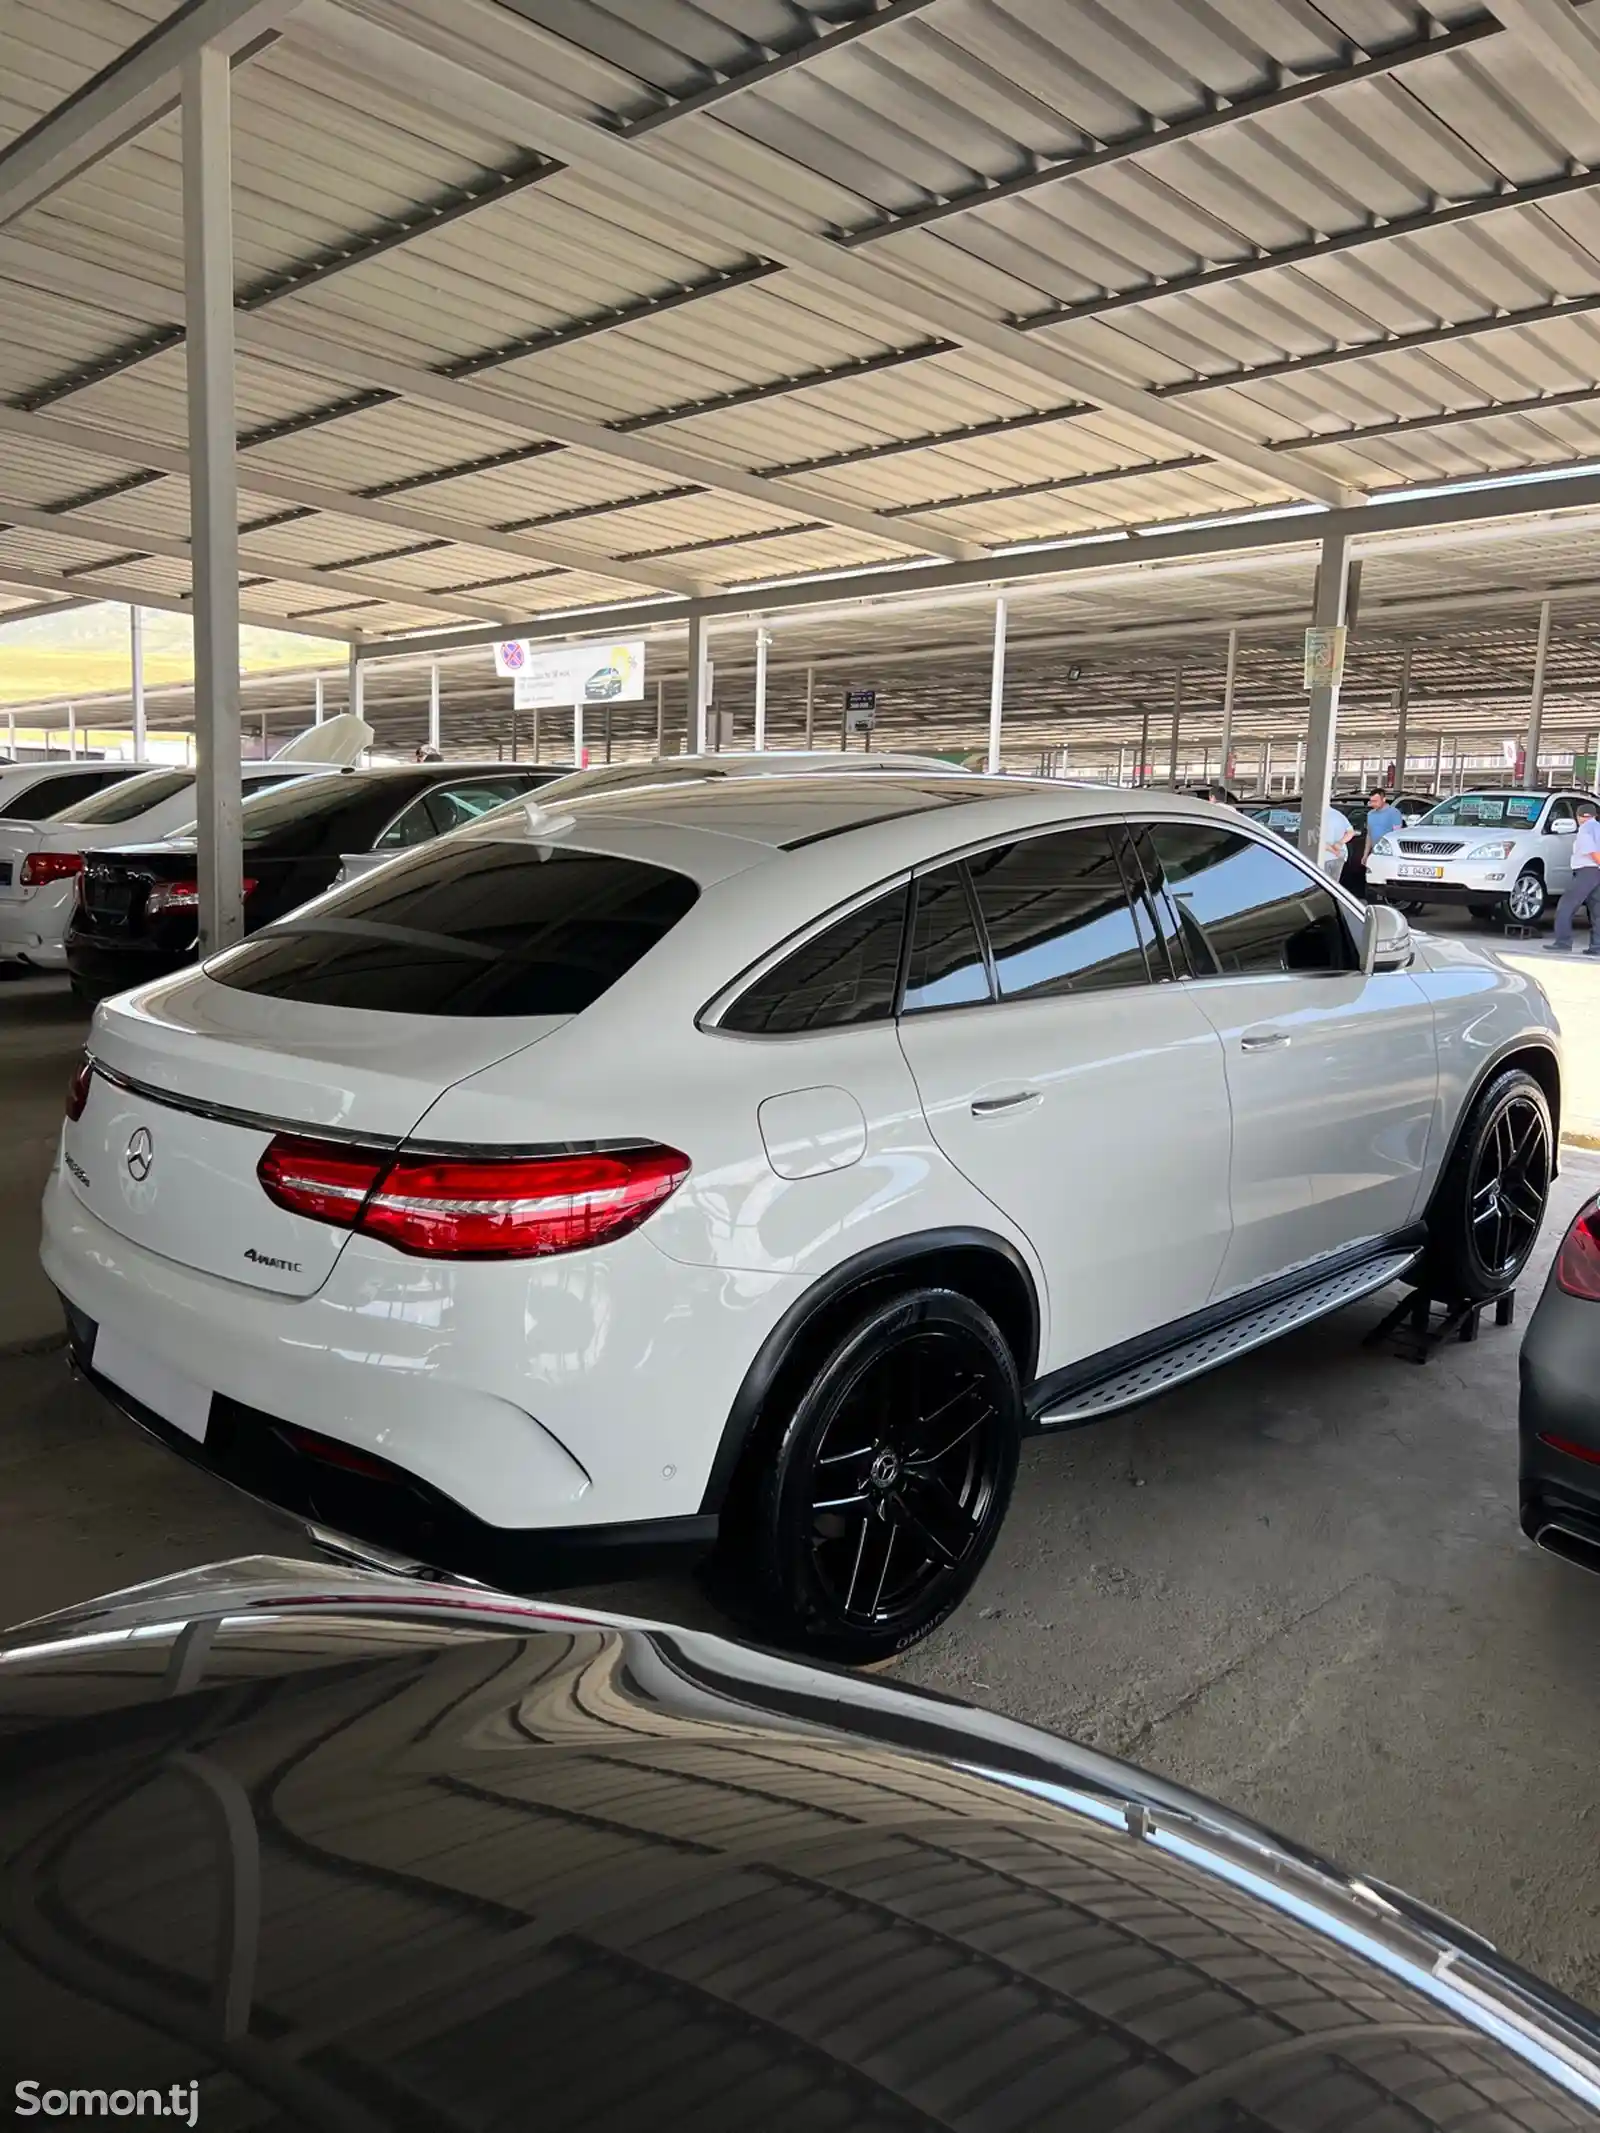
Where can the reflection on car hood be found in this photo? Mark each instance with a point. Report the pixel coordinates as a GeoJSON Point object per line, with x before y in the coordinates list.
{"type": "Point", "coordinates": [370, 1853]}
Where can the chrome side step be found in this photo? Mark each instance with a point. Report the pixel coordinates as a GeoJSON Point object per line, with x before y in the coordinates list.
{"type": "Point", "coordinates": [1190, 1358]}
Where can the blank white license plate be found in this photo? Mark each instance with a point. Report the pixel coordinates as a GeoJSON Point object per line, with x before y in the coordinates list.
{"type": "Point", "coordinates": [1414, 873]}
{"type": "Point", "coordinates": [153, 1383]}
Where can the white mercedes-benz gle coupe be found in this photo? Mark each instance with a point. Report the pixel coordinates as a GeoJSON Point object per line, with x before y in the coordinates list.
{"type": "Point", "coordinates": [748, 1166]}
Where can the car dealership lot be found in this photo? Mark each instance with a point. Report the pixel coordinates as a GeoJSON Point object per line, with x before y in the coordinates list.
{"type": "Point", "coordinates": [1298, 1584]}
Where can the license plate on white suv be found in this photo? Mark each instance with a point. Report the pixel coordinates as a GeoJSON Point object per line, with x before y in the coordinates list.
{"type": "Point", "coordinates": [154, 1384]}
{"type": "Point", "coordinates": [1416, 873]}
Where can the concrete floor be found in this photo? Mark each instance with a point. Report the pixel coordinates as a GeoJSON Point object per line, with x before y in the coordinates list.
{"type": "Point", "coordinates": [1298, 1586]}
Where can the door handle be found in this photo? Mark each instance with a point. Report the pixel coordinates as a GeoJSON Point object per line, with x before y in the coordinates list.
{"type": "Point", "coordinates": [1264, 1040]}
{"type": "Point", "coordinates": [991, 1106]}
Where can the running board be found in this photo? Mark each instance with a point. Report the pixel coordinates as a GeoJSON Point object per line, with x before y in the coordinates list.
{"type": "Point", "coordinates": [1130, 1383]}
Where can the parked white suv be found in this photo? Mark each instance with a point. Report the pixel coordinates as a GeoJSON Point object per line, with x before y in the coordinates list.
{"type": "Point", "coordinates": [1504, 854]}
{"type": "Point", "coordinates": [750, 1165]}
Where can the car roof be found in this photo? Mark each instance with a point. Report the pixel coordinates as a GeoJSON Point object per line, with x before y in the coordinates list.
{"type": "Point", "coordinates": [711, 829]}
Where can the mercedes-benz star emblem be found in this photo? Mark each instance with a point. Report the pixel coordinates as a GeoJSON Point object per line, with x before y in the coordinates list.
{"type": "Point", "coordinates": [141, 1154]}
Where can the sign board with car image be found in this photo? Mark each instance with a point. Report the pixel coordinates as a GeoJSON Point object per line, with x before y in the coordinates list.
{"type": "Point", "coordinates": [547, 678]}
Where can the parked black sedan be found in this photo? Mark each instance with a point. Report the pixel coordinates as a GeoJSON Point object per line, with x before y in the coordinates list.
{"type": "Point", "coordinates": [295, 1846]}
{"type": "Point", "coordinates": [138, 905]}
{"type": "Point", "coordinates": [1560, 1408]}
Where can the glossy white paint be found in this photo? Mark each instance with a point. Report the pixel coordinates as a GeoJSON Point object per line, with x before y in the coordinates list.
{"type": "Point", "coordinates": [1333, 1078]}
{"type": "Point", "coordinates": [594, 1387]}
{"type": "Point", "coordinates": [1115, 1162]}
{"type": "Point", "coordinates": [34, 921]}
{"type": "Point", "coordinates": [1545, 845]}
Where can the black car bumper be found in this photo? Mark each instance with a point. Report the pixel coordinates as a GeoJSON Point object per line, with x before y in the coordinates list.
{"type": "Point", "coordinates": [1559, 1427]}
{"type": "Point", "coordinates": [103, 966]}
{"type": "Point", "coordinates": [315, 1480]}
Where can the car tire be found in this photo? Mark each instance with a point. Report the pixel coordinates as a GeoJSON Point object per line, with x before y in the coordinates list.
{"type": "Point", "coordinates": [870, 1495]}
{"type": "Point", "coordinates": [1487, 1209]}
{"type": "Point", "coordinates": [1528, 898]}
{"type": "Point", "coordinates": [1414, 906]}
{"type": "Point", "coordinates": [1485, 914]}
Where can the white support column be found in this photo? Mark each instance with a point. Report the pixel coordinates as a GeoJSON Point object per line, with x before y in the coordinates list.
{"type": "Point", "coordinates": [699, 688]}
{"type": "Point", "coordinates": [213, 489]}
{"type": "Point", "coordinates": [1402, 735]}
{"type": "Point", "coordinates": [661, 719]}
{"type": "Point", "coordinates": [997, 689]}
{"type": "Point", "coordinates": [136, 665]}
{"type": "Point", "coordinates": [1321, 743]}
{"type": "Point", "coordinates": [538, 741]}
{"type": "Point", "coordinates": [1228, 681]}
{"type": "Point", "coordinates": [1266, 769]}
{"type": "Point", "coordinates": [577, 735]}
{"type": "Point", "coordinates": [1541, 653]}
{"type": "Point", "coordinates": [11, 735]}
{"type": "Point", "coordinates": [433, 711]}
{"type": "Point", "coordinates": [811, 707]}
{"type": "Point", "coordinates": [763, 640]}
{"type": "Point", "coordinates": [1322, 724]}
{"type": "Point", "coordinates": [1177, 720]}
{"type": "Point", "coordinates": [320, 710]}
{"type": "Point", "coordinates": [72, 733]}
{"type": "Point", "coordinates": [356, 689]}
{"type": "Point", "coordinates": [265, 748]}
{"type": "Point", "coordinates": [1122, 763]}
{"type": "Point", "coordinates": [1144, 745]}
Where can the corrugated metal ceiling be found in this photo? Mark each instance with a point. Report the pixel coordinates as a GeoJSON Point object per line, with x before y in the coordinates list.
{"type": "Point", "coordinates": [1365, 236]}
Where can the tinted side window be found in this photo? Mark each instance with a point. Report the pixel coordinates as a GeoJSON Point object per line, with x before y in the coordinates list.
{"type": "Point", "coordinates": [1057, 914]}
{"type": "Point", "coordinates": [946, 966]}
{"type": "Point", "coordinates": [847, 974]}
{"type": "Point", "coordinates": [414, 826]}
{"type": "Point", "coordinates": [1245, 909]}
{"type": "Point", "coordinates": [472, 929]}
{"type": "Point", "coordinates": [451, 806]}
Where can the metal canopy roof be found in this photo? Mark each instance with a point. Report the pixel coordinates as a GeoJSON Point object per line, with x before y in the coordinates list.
{"type": "Point", "coordinates": [548, 304]}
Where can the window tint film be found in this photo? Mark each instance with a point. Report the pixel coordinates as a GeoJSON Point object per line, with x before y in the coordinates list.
{"type": "Point", "coordinates": [1057, 914]}
{"type": "Point", "coordinates": [946, 967]}
{"type": "Point", "coordinates": [122, 802]}
{"type": "Point", "coordinates": [451, 807]}
{"type": "Point", "coordinates": [1245, 909]}
{"type": "Point", "coordinates": [846, 975]}
{"type": "Point", "coordinates": [469, 929]}
{"type": "Point", "coordinates": [56, 796]}
{"type": "Point", "coordinates": [414, 825]}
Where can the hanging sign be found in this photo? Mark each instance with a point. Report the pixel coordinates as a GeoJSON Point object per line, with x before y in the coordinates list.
{"type": "Point", "coordinates": [544, 679]}
{"type": "Point", "coordinates": [1325, 657]}
{"type": "Point", "coordinates": [510, 658]}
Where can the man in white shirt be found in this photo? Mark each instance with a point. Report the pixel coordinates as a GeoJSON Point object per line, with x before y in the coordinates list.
{"type": "Point", "coordinates": [1585, 889]}
{"type": "Point", "coordinates": [1337, 830]}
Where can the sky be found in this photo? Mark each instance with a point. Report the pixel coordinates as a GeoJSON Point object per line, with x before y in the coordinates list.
{"type": "Point", "coordinates": [87, 651]}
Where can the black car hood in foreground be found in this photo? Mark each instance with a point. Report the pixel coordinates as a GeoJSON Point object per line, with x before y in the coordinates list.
{"type": "Point", "coordinates": [353, 1853]}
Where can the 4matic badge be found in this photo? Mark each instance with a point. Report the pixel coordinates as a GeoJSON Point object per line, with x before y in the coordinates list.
{"type": "Point", "coordinates": [284, 1266]}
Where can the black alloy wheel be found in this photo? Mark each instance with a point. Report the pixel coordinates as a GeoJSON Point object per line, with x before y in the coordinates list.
{"type": "Point", "coordinates": [1491, 1201]}
{"type": "Point", "coordinates": [881, 1491]}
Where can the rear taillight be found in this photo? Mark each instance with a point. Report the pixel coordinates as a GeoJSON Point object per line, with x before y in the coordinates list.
{"type": "Point", "coordinates": [319, 1178]}
{"type": "Point", "coordinates": [40, 867]}
{"type": "Point", "coordinates": [78, 1089]}
{"type": "Point", "coordinates": [1586, 1452]}
{"type": "Point", "coordinates": [1578, 1261]}
{"type": "Point", "coordinates": [499, 1207]}
{"type": "Point", "coordinates": [179, 896]}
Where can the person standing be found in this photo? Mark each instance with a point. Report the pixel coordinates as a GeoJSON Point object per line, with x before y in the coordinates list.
{"type": "Point", "coordinates": [1337, 831]}
{"type": "Point", "coordinates": [1585, 889]}
{"type": "Point", "coordinates": [1382, 817]}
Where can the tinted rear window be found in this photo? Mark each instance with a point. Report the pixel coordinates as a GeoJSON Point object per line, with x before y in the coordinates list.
{"type": "Point", "coordinates": [472, 929]}
{"type": "Point", "coordinates": [56, 794]}
{"type": "Point", "coordinates": [123, 802]}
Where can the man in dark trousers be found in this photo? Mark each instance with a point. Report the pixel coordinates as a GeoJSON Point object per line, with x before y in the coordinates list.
{"type": "Point", "coordinates": [1585, 889]}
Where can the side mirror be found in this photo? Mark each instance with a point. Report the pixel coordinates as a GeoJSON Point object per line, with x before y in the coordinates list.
{"type": "Point", "coordinates": [1387, 945]}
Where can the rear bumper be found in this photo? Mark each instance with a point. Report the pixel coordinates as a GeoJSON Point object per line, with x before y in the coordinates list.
{"type": "Point", "coordinates": [524, 1396]}
{"type": "Point", "coordinates": [105, 967]}
{"type": "Point", "coordinates": [313, 1480]}
{"type": "Point", "coordinates": [1559, 1427]}
{"type": "Point", "coordinates": [33, 930]}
